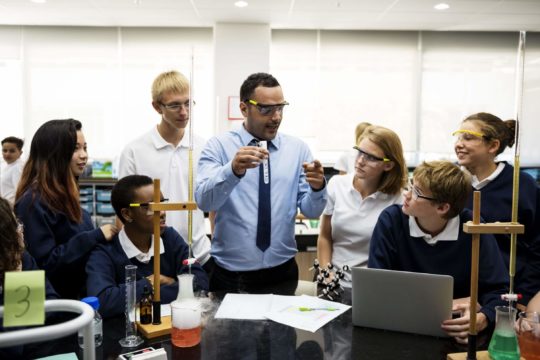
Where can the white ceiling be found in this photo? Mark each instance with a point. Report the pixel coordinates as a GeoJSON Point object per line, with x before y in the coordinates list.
{"type": "Point", "coordinates": [489, 15]}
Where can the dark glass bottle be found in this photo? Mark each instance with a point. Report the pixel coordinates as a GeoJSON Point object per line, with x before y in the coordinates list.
{"type": "Point", "coordinates": [145, 306]}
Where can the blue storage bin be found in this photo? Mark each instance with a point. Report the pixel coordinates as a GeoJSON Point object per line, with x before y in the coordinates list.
{"type": "Point", "coordinates": [85, 191]}
{"type": "Point", "coordinates": [85, 198]}
{"type": "Point", "coordinates": [104, 208]}
{"type": "Point", "coordinates": [103, 195]}
{"type": "Point", "coordinates": [87, 206]}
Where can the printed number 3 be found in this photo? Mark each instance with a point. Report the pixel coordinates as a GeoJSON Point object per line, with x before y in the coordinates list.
{"type": "Point", "coordinates": [24, 299]}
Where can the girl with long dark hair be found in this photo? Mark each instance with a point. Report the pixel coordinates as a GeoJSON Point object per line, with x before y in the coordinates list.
{"type": "Point", "coordinates": [59, 234]}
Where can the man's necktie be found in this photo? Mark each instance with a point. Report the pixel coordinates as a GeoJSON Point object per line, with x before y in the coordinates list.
{"type": "Point", "coordinates": [265, 209]}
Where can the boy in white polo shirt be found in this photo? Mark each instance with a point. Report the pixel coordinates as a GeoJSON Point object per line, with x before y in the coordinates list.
{"type": "Point", "coordinates": [163, 153]}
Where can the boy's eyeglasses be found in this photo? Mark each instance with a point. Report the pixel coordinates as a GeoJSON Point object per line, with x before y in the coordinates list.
{"type": "Point", "coordinates": [266, 109]}
{"type": "Point", "coordinates": [177, 106]}
{"type": "Point", "coordinates": [146, 206]}
{"type": "Point", "coordinates": [369, 157]}
{"type": "Point", "coordinates": [415, 193]}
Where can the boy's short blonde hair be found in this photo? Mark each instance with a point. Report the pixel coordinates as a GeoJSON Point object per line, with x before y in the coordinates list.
{"type": "Point", "coordinates": [446, 182]}
{"type": "Point", "coordinates": [170, 81]}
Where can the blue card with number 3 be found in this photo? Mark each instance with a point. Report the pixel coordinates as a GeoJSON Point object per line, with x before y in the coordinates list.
{"type": "Point", "coordinates": [24, 298]}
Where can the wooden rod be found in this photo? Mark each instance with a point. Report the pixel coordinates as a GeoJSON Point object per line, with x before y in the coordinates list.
{"type": "Point", "coordinates": [172, 206]}
{"type": "Point", "coordinates": [474, 263]}
{"type": "Point", "coordinates": [475, 254]}
{"type": "Point", "coordinates": [493, 228]}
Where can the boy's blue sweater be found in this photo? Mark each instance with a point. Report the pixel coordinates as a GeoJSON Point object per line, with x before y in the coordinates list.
{"type": "Point", "coordinates": [107, 277]}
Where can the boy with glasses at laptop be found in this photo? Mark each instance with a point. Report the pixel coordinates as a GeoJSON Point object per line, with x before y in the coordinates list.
{"type": "Point", "coordinates": [426, 235]}
{"type": "Point", "coordinates": [134, 245]}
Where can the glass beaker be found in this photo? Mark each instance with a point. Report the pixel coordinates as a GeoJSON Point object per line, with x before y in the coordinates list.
{"type": "Point", "coordinates": [503, 344]}
{"type": "Point", "coordinates": [528, 329]}
{"type": "Point", "coordinates": [186, 323]}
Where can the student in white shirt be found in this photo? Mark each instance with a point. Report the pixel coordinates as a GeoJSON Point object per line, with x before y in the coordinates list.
{"type": "Point", "coordinates": [163, 153]}
{"type": "Point", "coordinates": [11, 173]}
{"type": "Point", "coordinates": [356, 200]}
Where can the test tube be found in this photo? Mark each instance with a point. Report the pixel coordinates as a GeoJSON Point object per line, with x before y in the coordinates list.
{"type": "Point", "coordinates": [264, 144]}
{"type": "Point", "coordinates": [131, 339]}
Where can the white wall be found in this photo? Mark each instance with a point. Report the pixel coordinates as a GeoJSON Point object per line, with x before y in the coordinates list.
{"type": "Point", "coordinates": [239, 50]}
{"type": "Point", "coordinates": [100, 76]}
{"type": "Point", "coordinates": [421, 84]}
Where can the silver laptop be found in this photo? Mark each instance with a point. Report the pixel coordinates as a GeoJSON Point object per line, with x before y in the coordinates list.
{"type": "Point", "coordinates": [401, 301]}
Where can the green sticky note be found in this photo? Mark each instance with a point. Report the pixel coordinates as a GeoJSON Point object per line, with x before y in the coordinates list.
{"type": "Point", "coordinates": [24, 298]}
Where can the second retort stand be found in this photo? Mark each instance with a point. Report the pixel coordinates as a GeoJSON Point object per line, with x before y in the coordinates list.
{"type": "Point", "coordinates": [475, 228]}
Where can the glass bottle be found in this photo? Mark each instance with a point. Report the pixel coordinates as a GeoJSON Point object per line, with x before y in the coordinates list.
{"type": "Point", "coordinates": [504, 344]}
{"type": "Point", "coordinates": [145, 307]}
{"type": "Point", "coordinates": [98, 322]}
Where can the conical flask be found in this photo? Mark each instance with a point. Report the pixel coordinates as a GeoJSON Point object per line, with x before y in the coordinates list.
{"type": "Point", "coordinates": [185, 287]}
{"type": "Point", "coordinates": [504, 344]}
{"type": "Point", "coordinates": [186, 315]}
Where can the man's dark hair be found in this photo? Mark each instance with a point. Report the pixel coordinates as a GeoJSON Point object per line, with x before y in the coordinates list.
{"type": "Point", "coordinates": [14, 140]}
{"type": "Point", "coordinates": [123, 192]}
{"type": "Point", "coordinates": [253, 81]}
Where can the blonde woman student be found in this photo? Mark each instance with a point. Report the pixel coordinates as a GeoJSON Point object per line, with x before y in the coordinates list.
{"type": "Point", "coordinates": [355, 200]}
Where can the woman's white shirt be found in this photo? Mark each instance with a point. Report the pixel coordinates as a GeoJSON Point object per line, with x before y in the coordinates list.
{"type": "Point", "coordinates": [353, 221]}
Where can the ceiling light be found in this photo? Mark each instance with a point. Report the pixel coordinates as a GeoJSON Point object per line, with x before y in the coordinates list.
{"type": "Point", "coordinates": [241, 4]}
{"type": "Point", "coordinates": [441, 6]}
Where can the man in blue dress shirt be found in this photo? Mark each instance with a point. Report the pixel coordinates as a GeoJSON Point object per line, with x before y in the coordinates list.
{"type": "Point", "coordinates": [230, 173]}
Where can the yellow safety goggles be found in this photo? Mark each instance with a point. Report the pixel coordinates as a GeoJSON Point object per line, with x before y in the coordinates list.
{"type": "Point", "coordinates": [468, 135]}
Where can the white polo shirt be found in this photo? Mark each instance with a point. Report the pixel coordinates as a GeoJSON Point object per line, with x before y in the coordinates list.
{"type": "Point", "coordinates": [477, 184]}
{"type": "Point", "coordinates": [133, 252]}
{"type": "Point", "coordinates": [353, 221]}
{"type": "Point", "coordinates": [450, 232]}
{"type": "Point", "coordinates": [152, 156]}
{"type": "Point", "coordinates": [10, 176]}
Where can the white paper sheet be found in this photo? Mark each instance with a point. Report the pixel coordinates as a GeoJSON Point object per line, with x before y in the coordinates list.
{"type": "Point", "coordinates": [286, 310]}
{"type": "Point", "coordinates": [244, 306]}
{"type": "Point", "coordinates": [281, 309]}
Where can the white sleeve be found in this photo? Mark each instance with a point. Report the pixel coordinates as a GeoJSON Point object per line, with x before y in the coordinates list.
{"type": "Point", "coordinates": [126, 163]}
{"type": "Point", "coordinates": [331, 191]}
